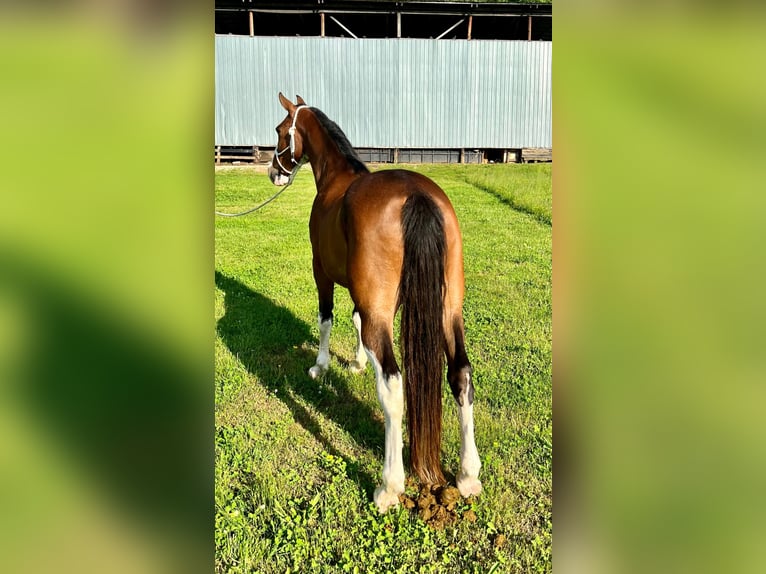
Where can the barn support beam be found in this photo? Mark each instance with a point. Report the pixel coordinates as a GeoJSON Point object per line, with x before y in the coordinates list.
{"type": "Point", "coordinates": [470, 25]}
{"type": "Point", "coordinates": [448, 30]}
{"type": "Point", "coordinates": [321, 26]}
{"type": "Point", "coordinates": [334, 19]}
{"type": "Point", "coordinates": [251, 21]}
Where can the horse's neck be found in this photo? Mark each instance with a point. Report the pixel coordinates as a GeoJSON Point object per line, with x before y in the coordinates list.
{"type": "Point", "coordinates": [329, 165]}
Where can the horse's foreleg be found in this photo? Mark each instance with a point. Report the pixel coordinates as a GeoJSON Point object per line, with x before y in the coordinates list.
{"type": "Point", "coordinates": [359, 363]}
{"type": "Point", "coordinates": [325, 288]}
{"type": "Point", "coordinates": [323, 357]}
{"type": "Point", "coordinates": [459, 375]}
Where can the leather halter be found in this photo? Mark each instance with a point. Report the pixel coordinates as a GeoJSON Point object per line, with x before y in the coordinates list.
{"type": "Point", "coordinates": [290, 146]}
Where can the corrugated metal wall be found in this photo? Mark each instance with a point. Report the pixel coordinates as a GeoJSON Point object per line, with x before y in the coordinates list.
{"type": "Point", "coordinates": [388, 92]}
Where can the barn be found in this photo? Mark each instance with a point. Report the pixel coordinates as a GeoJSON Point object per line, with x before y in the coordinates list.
{"type": "Point", "coordinates": [407, 81]}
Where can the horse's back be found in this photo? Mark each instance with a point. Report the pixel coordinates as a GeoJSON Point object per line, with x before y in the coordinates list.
{"type": "Point", "coordinates": [377, 200]}
{"type": "Point", "coordinates": [380, 188]}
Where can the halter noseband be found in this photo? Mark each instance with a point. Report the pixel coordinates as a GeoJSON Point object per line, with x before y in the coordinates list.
{"type": "Point", "coordinates": [291, 145]}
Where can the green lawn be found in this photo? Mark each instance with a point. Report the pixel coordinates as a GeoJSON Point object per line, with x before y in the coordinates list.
{"type": "Point", "coordinates": [297, 460]}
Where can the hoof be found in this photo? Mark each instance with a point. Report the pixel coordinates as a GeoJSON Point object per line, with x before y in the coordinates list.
{"type": "Point", "coordinates": [317, 371]}
{"type": "Point", "coordinates": [356, 367]}
{"type": "Point", "coordinates": [385, 499]}
{"type": "Point", "coordinates": [468, 486]}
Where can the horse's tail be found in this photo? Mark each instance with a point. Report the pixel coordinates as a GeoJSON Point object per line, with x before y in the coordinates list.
{"type": "Point", "coordinates": [421, 296]}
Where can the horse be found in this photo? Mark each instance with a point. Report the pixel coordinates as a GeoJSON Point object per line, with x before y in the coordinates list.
{"type": "Point", "coordinates": [393, 240]}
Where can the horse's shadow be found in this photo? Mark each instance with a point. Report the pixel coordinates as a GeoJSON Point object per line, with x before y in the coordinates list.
{"type": "Point", "coordinates": [271, 342]}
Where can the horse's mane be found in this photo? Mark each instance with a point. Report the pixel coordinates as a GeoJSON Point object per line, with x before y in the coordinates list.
{"type": "Point", "coordinates": [340, 139]}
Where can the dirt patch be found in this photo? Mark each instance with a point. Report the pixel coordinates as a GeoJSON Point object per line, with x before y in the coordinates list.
{"type": "Point", "coordinates": [439, 505]}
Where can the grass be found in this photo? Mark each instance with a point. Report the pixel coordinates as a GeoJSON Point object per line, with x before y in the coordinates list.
{"type": "Point", "coordinates": [297, 460]}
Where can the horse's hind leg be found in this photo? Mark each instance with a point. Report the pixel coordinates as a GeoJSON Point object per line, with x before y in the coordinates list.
{"type": "Point", "coordinates": [378, 343]}
{"type": "Point", "coordinates": [325, 289]}
{"type": "Point", "coordinates": [459, 375]}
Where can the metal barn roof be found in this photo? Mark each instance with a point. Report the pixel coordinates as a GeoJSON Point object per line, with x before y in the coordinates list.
{"type": "Point", "coordinates": [388, 93]}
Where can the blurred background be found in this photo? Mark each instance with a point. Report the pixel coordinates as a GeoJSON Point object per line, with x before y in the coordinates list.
{"type": "Point", "coordinates": [106, 412]}
{"type": "Point", "coordinates": [659, 367]}
{"type": "Point", "coordinates": [106, 422]}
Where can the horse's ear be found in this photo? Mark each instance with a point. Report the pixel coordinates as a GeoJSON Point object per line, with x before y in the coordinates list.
{"type": "Point", "coordinates": [287, 104]}
{"type": "Point", "coordinates": [299, 100]}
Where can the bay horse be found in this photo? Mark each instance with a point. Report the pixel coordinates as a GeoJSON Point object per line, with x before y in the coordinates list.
{"type": "Point", "coordinates": [392, 239]}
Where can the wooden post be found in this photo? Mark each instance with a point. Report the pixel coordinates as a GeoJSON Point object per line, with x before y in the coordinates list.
{"type": "Point", "coordinates": [256, 154]}
{"type": "Point", "coordinates": [398, 24]}
{"type": "Point", "coordinates": [252, 23]}
{"type": "Point", "coordinates": [396, 155]}
{"type": "Point", "coordinates": [529, 28]}
{"type": "Point", "coordinates": [217, 155]}
{"type": "Point", "coordinates": [470, 25]}
{"type": "Point", "coordinates": [321, 19]}
{"type": "Point", "coordinates": [462, 155]}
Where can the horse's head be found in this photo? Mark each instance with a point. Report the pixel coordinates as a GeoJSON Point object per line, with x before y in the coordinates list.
{"type": "Point", "coordinates": [289, 150]}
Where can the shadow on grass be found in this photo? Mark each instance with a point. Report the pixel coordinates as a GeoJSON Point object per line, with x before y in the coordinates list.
{"type": "Point", "coordinates": [543, 218]}
{"type": "Point", "coordinates": [269, 341]}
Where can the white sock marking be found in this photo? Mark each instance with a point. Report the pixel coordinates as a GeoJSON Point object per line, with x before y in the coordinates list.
{"type": "Point", "coordinates": [323, 358]}
{"type": "Point", "coordinates": [468, 479]}
{"type": "Point", "coordinates": [360, 361]}
{"type": "Point", "coordinates": [391, 397]}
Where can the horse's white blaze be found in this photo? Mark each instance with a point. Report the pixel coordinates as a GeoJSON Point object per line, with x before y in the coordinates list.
{"type": "Point", "coordinates": [468, 478]}
{"type": "Point", "coordinates": [360, 361]}
{"type": "Point", "coordinates": [323, 358]}
{"type": "Point", "coordinates": [281, 180]}
{"type": "Point", "coordinates": [391, 397]}
{"type": "Point", "coordinates": [277, 177]}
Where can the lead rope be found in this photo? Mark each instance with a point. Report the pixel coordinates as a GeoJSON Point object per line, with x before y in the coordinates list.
{"type": "Point", "coordinates": [292, 173]}
{"type": "Point", "coordinates": [272, 198]}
